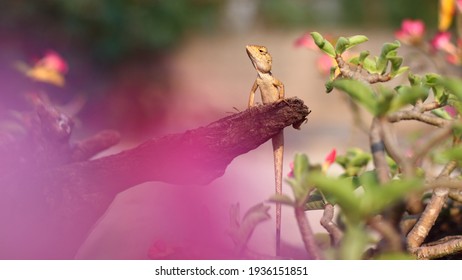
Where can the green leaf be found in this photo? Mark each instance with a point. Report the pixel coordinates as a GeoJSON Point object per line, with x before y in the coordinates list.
{"type": "Point", "coordinates": [371, 66]}
{"type": "Point", "coordinates": [395, 256]}
{"type": "Point", "coordinates": [454, 153]}
{"type": "Point", "coordinates": [395, 65]}
{"type": "Point", "coordinates": [378, 199]}
{"type": "Point", "coordinates": [440, 112]}
{"type": "Point", "coordinates": [360, 92]}
{"type": "Point", "coordinates": [317, 38]}
{"type": "Point", "coordinates": [299, 183]}
{"type": "Point", "coordinates": [344, 44]}
{"type": "Point", "coordinates": [384, 102]}
{"type": "Point", "coordinates": [341, 45]}
{"type": "Point", "coordinates": [368, 64]}
{"type": "Point", "coordinates": [369, 180]}
{"type": "Point", "coordinates": [388, 50]}
{"type": "Point", "coordinates": [341, 160]}
{"type": "Point", "coordinates": [408, 96]}
{"type": "Point", "coordinates": [362, 56]}
{"type": "Point", "coordinates": [341, 190]}
{"type": "Point", "coordinates": [323, 44]}
{"type": "Point", "coordinates": [329, 86]}
{"type": "Point", "coordinates": [432, 79]}
{"type": "Point", "coordinates": [315, 202]}
{"type": "Point", "coordinates": [414, 80]}
{"type": "Point", "coordinates": [400, 71]}
{"type": "Point", "coordinates": [356, 40]}
{"type": "Point", "coordinates": [361, 159]}
{"type": "Point", "coordinates": [354, 243]}
{"type": "Point", "coordinates": [453, 85]}
{"type": "Point", "coordinates": [301, 166]}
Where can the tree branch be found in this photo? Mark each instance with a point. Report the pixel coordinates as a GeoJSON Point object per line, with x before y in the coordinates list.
{"type": "Point", "coordinates": [57, 206]}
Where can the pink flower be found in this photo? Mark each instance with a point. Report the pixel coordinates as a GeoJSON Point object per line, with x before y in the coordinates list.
{"type": "Point", "coordinates": [49, 69]}
{"type": "Point", "coordinates": [459, 5]}
{"type": "Point", "coordinates": [324, 64]}
{"type": "Point", "coordinates": [411, 32]}
{"type": "Point", "coordinates": [306, 41]}
{"type": "Point", "coordinates": [291, 173]}
{"type": "Point", "coordinates": [329, 160]}
{"type": "Point", "coordinates": [442, 41]}
{"type": "Point", "coordinates": [450, 110]}
{"type": "Point", "coordinates": [53, 61]}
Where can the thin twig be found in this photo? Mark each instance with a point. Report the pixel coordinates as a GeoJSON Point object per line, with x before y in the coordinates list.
{"type": "Point", "coordinates": [413, 115]}
{"type": "Point", "coordinates": [393, 150]}
{"type": "Point", "coordinates": [438, 137]}
{"type": "Point", "coordinates": [334, 231]}
{"type": "Point", "coordinates": [431, 106]}
{"type": "Point", "coordinates": [307, 234]}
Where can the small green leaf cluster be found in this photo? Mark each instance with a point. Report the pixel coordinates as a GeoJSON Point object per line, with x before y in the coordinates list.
{"type": "Point", "coordinates": [357, 193]}
{"type": "Point", "coordinates": [387, 61]}
{"type": "Point", "coordinates": [385, 100]}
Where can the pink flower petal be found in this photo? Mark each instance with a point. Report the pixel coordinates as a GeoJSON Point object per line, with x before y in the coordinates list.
{"type": "Point", "coordinates": [459, 5]}
{"type": "Point", "coordinates": [53, 61]}
{"type": "Point", "coordinates": [306, 41]}
{"type": "Point", "coordinates": [450, 110]}
{"type": "Point", "coordinates": [411, 32]}
{"type": "Point", "coordinates": [324, 64]}
{"type": "Point", "coordinates": [330, 158]}
{"type": "Point", "coordinates": [441, 41]}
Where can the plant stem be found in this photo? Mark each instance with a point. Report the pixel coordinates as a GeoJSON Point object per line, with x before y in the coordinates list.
{"type": "Point", "coordinates": [307, 234]}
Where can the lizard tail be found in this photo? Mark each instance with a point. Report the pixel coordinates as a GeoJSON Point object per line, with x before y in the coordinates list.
{"type": "Point", "coordinates": [278, 152]}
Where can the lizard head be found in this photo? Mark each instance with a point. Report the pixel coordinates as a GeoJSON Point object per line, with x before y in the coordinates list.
{"type": "Point", "coordinates": [260, 58]}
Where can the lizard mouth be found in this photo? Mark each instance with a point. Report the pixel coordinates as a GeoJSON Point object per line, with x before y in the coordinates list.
{"type": "Point", "coordinates": [252, 59]}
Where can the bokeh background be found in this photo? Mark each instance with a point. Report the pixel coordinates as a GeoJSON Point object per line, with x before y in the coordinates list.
{"type": "Point", "coordinates": [148, 68]}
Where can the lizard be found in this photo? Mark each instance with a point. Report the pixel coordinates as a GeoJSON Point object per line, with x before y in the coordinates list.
{"type": "Point", "coordinates": [272, 91]}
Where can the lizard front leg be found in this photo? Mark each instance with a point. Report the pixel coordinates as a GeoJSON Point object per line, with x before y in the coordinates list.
{"type": "Point", "coordinates": [280, 86]}
{"type": "Point", "coordinates": [252, 94]}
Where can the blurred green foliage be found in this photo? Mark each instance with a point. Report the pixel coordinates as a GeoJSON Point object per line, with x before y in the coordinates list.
{"type": "Point", "coordinates": [347, 12]}
{"type": "Point", "coordinates": [110, 29]}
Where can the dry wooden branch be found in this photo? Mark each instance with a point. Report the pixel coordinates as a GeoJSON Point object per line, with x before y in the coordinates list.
{"type": "Point", "coordinates": [443, 247]}
{"type": "Point", "coordinates": [45, 213]}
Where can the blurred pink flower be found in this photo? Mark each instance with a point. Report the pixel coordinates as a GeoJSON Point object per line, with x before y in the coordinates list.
{"type": "Point", "coordinates": [442, 41]}
{"type": "Point", "coordinates": [306, 41]}
{"type": "Point", "coordinates": [411, 32]}
{"type": "Point", "coordinates": [49, 69]}
{"type": "Point", "coordinates": [450, 110]}
{"type": "Point", "coordinates": [324, 64]}
{"type": "Point", "coordinates": [329, 160]}
{"type": "Point", "coordinates": [291, 173]}
{"type": "Point", "coordinates": [53, 61]}
{"type": "Point", "coordinates": [459, 5]}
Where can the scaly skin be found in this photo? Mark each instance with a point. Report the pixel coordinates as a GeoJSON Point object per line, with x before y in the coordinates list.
{"type": "Point", "coordinates": [272, 90]}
